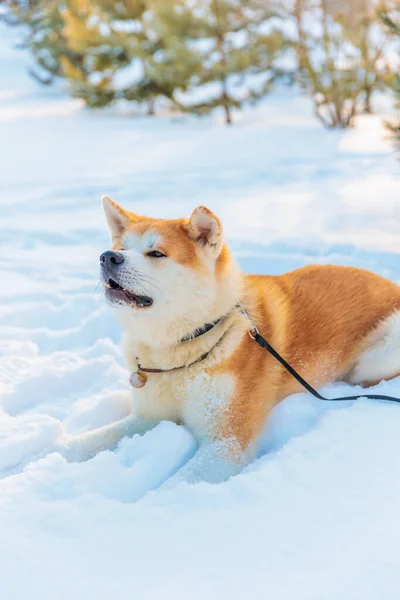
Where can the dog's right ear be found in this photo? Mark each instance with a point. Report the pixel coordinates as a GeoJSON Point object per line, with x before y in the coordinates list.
{"type": "Point", "coordinates": [205, 228]}
{"type": "Point", "coordinates": [117, 217]}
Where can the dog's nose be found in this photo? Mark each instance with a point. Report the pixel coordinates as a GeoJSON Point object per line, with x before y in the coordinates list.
{"type": "Point", "coordinates": [111, 258]}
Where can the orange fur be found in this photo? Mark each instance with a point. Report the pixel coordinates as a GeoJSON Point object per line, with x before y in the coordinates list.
{"type": "Point", "coordinates": [318, 318]}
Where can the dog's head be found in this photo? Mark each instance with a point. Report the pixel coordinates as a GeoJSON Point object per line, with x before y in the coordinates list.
{"type": "Point", "coordinates": [172, 270]}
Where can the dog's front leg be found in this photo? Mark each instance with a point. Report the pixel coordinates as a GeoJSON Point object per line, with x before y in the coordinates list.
{"type": "Point", "coordinates": [86, 445]}
{"type": "Point", "coordinates": [214, 462]}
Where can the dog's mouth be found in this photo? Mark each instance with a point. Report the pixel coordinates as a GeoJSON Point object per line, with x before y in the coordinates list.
{"type": "Point", "coordinates": [116, 293]}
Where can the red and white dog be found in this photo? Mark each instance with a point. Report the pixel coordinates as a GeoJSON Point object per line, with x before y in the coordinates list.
{"type": "Point", "coordinates": [176, 288]}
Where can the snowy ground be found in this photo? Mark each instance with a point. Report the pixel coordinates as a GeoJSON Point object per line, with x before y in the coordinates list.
{"type": "Point", "coordinates": [316, 516]}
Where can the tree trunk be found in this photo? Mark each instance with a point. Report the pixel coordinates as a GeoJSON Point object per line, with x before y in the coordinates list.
{"type": "Point", "coordinates": [369, 65]}
{"type": "Point", "coordinates": [228, 117]}
{"type": "Point", "coordinates": [220, 45]}
{"type": "Point", "coordinates": [367, 100]}
{"type": "Point", "coordinates": [151, 111]}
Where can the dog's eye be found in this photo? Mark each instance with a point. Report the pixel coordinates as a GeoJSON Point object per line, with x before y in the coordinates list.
{"type": "Point", "coordinates": [155, 254]}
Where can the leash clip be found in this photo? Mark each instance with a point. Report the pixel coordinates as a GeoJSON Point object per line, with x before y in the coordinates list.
{"type": "Point", "coordinates": [253, 332]}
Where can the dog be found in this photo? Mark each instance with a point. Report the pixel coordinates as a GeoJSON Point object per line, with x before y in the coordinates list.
{"type": "Point", "coordinates": [186, 310]}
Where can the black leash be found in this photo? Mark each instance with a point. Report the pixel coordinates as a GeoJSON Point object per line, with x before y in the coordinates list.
{"type": "Point", "coordinates": [257, 337]}
{"type": "Point", "coordinates": [139, 378]}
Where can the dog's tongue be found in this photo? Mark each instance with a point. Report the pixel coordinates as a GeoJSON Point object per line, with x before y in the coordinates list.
{"type": "Point", "coordinates": [141, 300]}
{"type": "Point", "coordinates": [117, 291]}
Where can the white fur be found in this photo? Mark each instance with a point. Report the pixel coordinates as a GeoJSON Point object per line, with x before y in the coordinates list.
{"type": "Point", "coordinates": [381, 358]}
{"type": "Point", "coordinates": [206, 399]}
{"type": "Point", "coordinates": [82, 447]}
{"type": "Point", "coordinates": [190, 396]}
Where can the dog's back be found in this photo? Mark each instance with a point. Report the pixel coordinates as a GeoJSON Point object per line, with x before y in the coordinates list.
{"type": "Point", "coordinates": [324, 318]}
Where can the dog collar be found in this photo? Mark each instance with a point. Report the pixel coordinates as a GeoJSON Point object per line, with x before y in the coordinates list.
{"type": "Point", "coordinates": [138, 379]}
{"type": "Point", "coordinates": [201, 330]}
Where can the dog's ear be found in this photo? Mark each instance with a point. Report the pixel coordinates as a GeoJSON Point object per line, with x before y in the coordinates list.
{"type": "Point", "coordinates": [117, 217]}
{"type": "Point", "coordinates": [205, 228]}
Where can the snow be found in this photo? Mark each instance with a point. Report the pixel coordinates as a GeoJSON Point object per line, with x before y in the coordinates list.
{"type": "Point", "coordinates": [316, 516]}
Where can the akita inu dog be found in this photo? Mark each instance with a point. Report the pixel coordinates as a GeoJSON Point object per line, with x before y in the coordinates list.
{"type": "Point", "coordinates": [179, 295]}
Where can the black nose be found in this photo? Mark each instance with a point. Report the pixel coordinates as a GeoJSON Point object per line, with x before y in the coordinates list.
{"type": "Point", "coordinates": [110, 259]}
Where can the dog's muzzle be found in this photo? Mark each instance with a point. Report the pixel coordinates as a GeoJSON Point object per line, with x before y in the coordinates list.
{"type": "Point", "coordinates": [110, 262]}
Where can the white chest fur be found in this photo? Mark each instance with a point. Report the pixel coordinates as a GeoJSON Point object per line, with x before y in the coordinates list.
{"type": "Point", "coordinates": [195, 396]}
{"type": "Point", "coordinates": [191, 397]}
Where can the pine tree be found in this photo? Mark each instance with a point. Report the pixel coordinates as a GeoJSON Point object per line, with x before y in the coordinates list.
{"type": "Point", "coordinates": [236, 57]}
{"type": "Point", "coordinates": [46, 38]}
{"type": "Point", "coordinates": [390, 16]}
{"type": "Point", "coordinates": [338, 56]}
{"type": "Point", "coordinates": [363, 30]}
{"type": "Point", "coordinates": [144, 50]}
{"type": "Point", "coordinates": [136, 51]}
{"type": "Point", "coordinates": [166, 61]}
{"type": "Point", "coordinates": [89, 34]}
{"type": "Point", "coordinates": [15, 12]}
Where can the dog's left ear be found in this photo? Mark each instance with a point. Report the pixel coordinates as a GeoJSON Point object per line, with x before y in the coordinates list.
{"type": "Point", "coordinates": [117, 217]}
{"type": "Point", "coordinates": [205, 228]}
